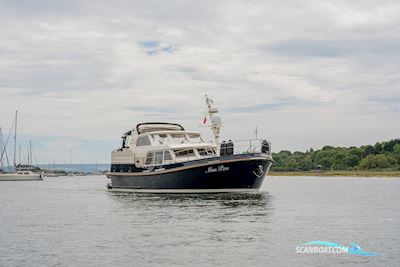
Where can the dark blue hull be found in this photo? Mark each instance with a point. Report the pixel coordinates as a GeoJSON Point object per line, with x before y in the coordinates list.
{"type": "Point", "coordinates": [235, 173]}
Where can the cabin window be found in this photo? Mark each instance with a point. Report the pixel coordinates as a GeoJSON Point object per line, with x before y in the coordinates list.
{"type": "Point", "coordinates": [158, 157]}
{"type": "Point", "coordinates": [202, 151]}
{"type": "Point", "coordinates": [167, 155]}
{"type": "Point", "coordinates": [178, 138]}
{"type": "Point", "coordinates": [206, 151]}
{"type": "Point", "coordinates": [149, 158]}
{"type": "Point", "coordinates": [143, 141]}
{"type": "Point", "coordinates": [210, 151]}
{"type": "Point", "coordinates": [195, 138]}
{"type": "Point", "coordinates": [184, 153]}
{"type": "Point", "coordinates": [160, 138]}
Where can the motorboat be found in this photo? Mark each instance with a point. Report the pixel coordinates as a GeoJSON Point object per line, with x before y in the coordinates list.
{"type": "Point", "coordinates": [160, 157]}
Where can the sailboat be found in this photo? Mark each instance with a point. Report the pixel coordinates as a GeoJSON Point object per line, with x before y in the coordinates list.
{"type": "Point", "coordinates": [20, 172]}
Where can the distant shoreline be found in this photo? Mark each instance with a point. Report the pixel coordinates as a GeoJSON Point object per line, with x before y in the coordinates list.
{"type": "Point", "coordinates": [392, 174]}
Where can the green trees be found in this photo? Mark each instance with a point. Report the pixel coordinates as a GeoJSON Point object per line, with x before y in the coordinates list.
{"type": "Point", "coordinates": [396, 152]}
{"type": "Point", "coordinates": [379, 161]}
{"type": "Point", "coordinates": [382, 155]}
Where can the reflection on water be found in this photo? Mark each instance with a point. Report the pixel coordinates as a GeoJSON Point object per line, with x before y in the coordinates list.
{"type": "Point", "coordinates": [262, 199]}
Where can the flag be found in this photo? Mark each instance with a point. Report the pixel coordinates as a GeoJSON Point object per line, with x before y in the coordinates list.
{"type": "Point", "coordinates": [205, 120]}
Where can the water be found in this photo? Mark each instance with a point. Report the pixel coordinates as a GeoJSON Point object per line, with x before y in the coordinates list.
{"type": "Point", "coordinates": [74, 221]}
{"type": "Point", "coordinates": [86, 168]}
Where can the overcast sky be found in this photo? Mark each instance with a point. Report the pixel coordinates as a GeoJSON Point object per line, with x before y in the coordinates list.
{"type": "Point", "coordinates": [307, 73]}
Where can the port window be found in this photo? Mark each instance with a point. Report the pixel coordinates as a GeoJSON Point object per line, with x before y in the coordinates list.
{"type": "Point", "coordinates": [202, 151]}
{"type": "Point", "coordinates": [163, 135]}
{"type": "Point", "coordinates": [167, 155]}
{"type": "Point", "coordinates": [160, 138]}
{"type": "Point", "coordinates": [178, 138]}
{"type": "Point", "coordinates": [158, 157]}
{"type": "Point", "coordinates": [149, 158]}
{"type": "Point", "coordinates": [210, 151]}
{"type": "Point", "coordinates": [195, 138]}
{"type": "Point", "coordinates": [184, 153]}
{"type": "Point", "coordinates": [143, 141]}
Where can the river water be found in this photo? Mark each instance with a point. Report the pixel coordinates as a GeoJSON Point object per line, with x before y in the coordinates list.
{"type": "Point", "coordinates": [74, 221]}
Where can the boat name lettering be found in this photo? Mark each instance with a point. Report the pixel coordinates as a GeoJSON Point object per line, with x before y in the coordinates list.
{"type": "Point", "coordinates": [220, 168]}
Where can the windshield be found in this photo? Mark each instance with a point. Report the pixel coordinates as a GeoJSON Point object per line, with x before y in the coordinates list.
{"type": "Point", "coordinates": [195, 138]}
{"type": "Point", "coordinates": [178, 138]}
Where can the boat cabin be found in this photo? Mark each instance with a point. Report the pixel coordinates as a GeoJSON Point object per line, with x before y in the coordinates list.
{"type": "Point", "coordinates": [155, 144]}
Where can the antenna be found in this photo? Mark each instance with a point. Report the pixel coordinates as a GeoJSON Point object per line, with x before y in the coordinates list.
{"type": "Point", "coordinates": [216, 122]}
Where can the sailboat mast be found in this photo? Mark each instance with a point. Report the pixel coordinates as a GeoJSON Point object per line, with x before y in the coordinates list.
{"type": "Point", "coordinates": [30, 161]}
{"type": "Point", "coordinates": [1, 151]}
{"type": "Point", "coordinates": [15, 141]}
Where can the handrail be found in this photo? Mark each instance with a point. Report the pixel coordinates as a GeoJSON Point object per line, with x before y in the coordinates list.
{"type": "Point", "coordinates": [249, 146]}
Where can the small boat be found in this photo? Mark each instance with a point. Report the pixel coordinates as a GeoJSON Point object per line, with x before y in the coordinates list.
{"type": "Point", "coordinates": [20, 176]}
{"type": "Point", "coordinates": [20, 172]}
{"type": "Point", "coordinates": [159, 157]}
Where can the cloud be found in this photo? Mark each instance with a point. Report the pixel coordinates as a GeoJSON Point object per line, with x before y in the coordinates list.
{"type": "Point", "coordinates": [278, 104]}
{"type": "Point", "coordinates": [336, 48]}
{"type": "Point", "coordinates": [152, 109]}
{"type": "Point", "coordinates": [308, 73]}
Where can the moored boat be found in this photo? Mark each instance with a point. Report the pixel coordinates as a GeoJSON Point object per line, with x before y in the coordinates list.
{"type": "Point", "coordinates": [20, 176]}
{"type": "Point", "coordinates": [158, 157]}
{"type": "Point", "coordinates": [19, 172]}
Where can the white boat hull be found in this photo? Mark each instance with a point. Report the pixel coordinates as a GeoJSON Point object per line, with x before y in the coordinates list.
{"type": "Point", "coordinates": [20, 177]}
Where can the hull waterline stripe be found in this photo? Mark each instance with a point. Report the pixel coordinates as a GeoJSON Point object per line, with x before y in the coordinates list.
{"type": "Point", "coordinates": [184, 167]}
{"type": "Point", "coordinates": [188, 191]}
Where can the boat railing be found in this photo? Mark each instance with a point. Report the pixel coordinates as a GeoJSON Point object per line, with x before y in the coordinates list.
{"type": "Point", "coordinates": [238, 147]}
{"type": "Point", "coordinates": [225, 149]}
{"type": "Point", "coordinates": [245, 146]}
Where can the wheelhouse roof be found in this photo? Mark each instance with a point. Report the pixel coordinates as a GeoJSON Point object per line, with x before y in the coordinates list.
{"type": "Point", "coordinates": [147, 127]}
{"type": "Point", "coordinates": [170, 132]}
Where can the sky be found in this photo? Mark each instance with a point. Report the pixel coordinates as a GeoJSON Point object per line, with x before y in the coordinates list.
{"type": "Point", "coordinates": [305, 73]}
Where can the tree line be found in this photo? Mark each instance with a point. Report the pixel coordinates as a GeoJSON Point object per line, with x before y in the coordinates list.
{"type": "Point", "coordinates": [382, 155]}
